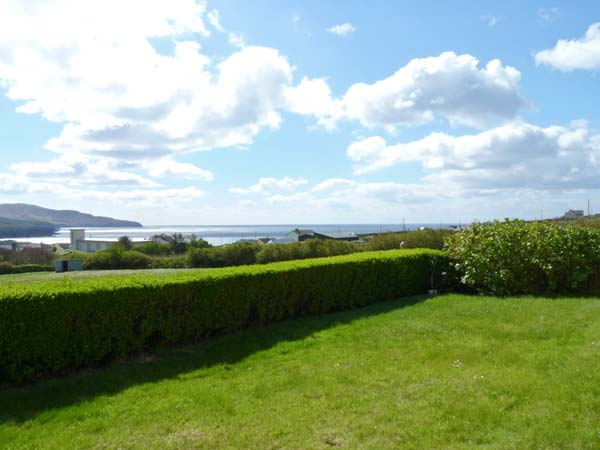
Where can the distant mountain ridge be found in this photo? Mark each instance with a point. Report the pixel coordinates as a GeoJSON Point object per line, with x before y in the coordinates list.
{"type": "Point", "coordinates": [23, 220]}
{"type": "Point", "coordinates": [11, 228]}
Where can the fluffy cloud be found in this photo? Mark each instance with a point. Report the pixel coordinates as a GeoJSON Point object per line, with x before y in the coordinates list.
{"type": "Point", "coordinates": [345, 29]}
{"type": "Point", "coordinates": [267, 186]}
{"type": "Point", "coordinates": [517, 155]}
{"type": "Point", "coordinates": [78, 171]}
{"type": "Point", "coordinates": [448, 86]}
{"type": "Point", "coordinates": [171, 168]}
{"type": "Point", "coordinates": [575, 54]}
{"type": "Point", "coordinates": [95, 67]}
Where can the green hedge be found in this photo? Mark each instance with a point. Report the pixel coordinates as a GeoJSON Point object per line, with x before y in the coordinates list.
{"type": "Point", "coordinates": [55, 326]}
{"type": "Point", "coordinates": [9, 268]}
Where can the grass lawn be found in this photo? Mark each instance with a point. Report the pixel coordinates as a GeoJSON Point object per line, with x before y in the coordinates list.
{"type": "Point", "coordinates": [34, 277]}
{"type": "Point", "coordinates": [450, 372]}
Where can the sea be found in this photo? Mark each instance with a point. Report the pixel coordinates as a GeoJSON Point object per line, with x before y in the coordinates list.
{"type": "Point", "coordinates": [223, 234]}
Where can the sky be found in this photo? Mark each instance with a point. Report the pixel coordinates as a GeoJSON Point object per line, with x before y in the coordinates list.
{"type": "Point", "coordinates": [288, 112]}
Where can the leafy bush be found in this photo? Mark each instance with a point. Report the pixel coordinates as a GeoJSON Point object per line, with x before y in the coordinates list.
{"type": "Point", "coordinates": [54, 326]}
{"type": "Point", "coordinates": [9, 268]}
{"type": "Point", "coordinates": [117, 258]}
{"type": "Point", "coordinates": [312, 248]}
{"type": "Point", "coordinates": [154, 249]}
{"type": "Point", "coordinates": [237, 254]}
{"type": "Point", "coordinates": [170, 262]}
{"type": "Point", "coordinates": [428, 238]}
{"type": "Point", "coordinates": [517, 257]}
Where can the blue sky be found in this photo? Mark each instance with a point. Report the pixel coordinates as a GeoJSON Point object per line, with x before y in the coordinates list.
{"type": "Point", "coordinates": [228, 112]}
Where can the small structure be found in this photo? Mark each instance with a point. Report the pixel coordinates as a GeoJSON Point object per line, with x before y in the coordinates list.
{"type": "Point", "coordinates": [68, 265]}
{"type": "Point", "coordinates": [81, 244]}
{"type": "Point", "coordinates": [8, 245]}
{"type": "Point", "coordinates": [298, 235]}
{"type": "Point", "coordinates": [573, 214]}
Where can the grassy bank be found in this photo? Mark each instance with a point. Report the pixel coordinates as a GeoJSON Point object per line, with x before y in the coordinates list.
{"type": "Point", "coordinates": [448, 372]}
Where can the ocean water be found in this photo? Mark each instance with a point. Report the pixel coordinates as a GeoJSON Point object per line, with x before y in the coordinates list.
{"type": "Point", "coordinates": [222, 234]}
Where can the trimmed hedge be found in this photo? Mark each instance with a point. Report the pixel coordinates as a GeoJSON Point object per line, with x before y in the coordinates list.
{"type": "Point", "coordinates": [9, 268]}
{"type": "Point", "coordinates": [55, 326]}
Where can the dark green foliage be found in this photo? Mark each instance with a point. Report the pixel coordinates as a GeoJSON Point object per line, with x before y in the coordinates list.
{"type": "Point", "coordinates": [428, 238]}
{"type": "Point", "coordinates": [170, 262]}
{"type": "Point", "coordinates": [52, 327]}
{"type": "Point", "coordinates": [238, 254]}
{"type": "Point", "coordinates": [125, 243]}
{"type": "Point", "coordinates": [27, 255]}
{"type": "Point", "coordinates": [117, 258]}
{"type": "Point", "coordinates": [177, 245]}
{"type": "Point", "coordinates": [312, 248]}
{"type": "Point", "coordinates": [9, 268]}
{"type": "Point", "coordinates": [517, 257]}
{"type": "Point", "coordinates": [154, 249]}
{"type": "Point", "coordinates": [13, 227]}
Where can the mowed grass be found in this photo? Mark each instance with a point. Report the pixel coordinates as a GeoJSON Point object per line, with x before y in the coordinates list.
{"type": "Point", "coordinates": [451, 372]}
{"type": "Point", "coordinates": [35, 277]}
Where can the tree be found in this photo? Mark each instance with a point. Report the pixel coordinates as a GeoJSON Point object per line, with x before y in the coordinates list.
{"type": "Point", "coordinates": [125, 243]}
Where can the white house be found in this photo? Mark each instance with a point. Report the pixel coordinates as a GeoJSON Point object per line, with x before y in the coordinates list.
{"type": "Point", "coordinates": [81, 244]}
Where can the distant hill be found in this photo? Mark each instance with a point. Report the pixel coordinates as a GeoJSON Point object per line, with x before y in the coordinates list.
{"type": "Point", "coordinates": [11, 228]}
{"type": "Point", "coordinates": [60, 218]}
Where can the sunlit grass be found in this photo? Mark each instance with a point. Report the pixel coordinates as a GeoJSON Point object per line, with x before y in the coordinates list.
{"type": "Point", "coordinates": [448, 372]}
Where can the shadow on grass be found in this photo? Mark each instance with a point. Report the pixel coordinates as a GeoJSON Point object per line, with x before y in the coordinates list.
{"type": "Point", "coordinates": [23, 403]}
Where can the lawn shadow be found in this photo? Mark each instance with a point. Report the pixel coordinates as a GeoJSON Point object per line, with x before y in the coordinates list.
{"type": "Point", "coordinates": [19, 404]}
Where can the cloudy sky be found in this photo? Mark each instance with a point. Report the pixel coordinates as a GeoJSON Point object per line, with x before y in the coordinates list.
{"type": "Point", "coordinates": [235, 112]}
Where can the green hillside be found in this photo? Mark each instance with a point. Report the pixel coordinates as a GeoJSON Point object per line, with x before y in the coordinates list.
{"type": "Point", "coordinates": [60, 218]}
{"type": "Point", "coordinates": [14, 228]}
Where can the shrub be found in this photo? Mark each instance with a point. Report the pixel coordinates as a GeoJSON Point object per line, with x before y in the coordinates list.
{"type": "Point", "coordinates": [238, 254]}
{"type": "Point", "coordinates": [154, 249]}
{"type": "Point", "coordinates": [9, 268]}
{"type": "Point", "coordinates": [54, 326]}
{"type": "Point", "coordinates": [312, 248]}
{"type": "Point", "coordinates": [170, 262]}
{"type": "Point", "coordinates": [428, 238]}
{"type": "Point", "coordinates": [517, 257]}
{"type": "Point", "coordinates": [117, 258]}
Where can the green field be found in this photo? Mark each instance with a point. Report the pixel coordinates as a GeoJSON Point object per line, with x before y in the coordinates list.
{"type": "Point", "coordinates": [28, 278]}
{"type": "Point", "coordinates": [426, 373]}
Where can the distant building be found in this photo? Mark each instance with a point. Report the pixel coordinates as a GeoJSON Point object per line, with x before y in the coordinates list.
{"type": "Point", "coordinates": [8, 245]}
{"type": "Point", "coordinates": [298, 235]}
{"type": "Point", "coordinates": [81, 244]}
{"type": "Point", "coordinates": [573, 214]}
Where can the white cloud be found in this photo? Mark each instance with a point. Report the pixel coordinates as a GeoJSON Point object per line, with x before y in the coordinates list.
{"type": "Point", "coordinates": [345, 29]}
{"type": "Point", "coordinates": [574, 54]}
{"type": "Point", "coordinates": [215, 20]}
{"type": "Point", "coordinates": [267, 186]}
{"type": "Point", "coordinates": [237, 39]}
{"type": "Point", "coordinates": [491, 21]}
{"type": "Point", "coordinates": [170, 168]}
{"type": "Point", "coordinates": [517, 155]}
{"type": "Point", "coordinates": [141, 197]}
{"type": "Point", "coordinates": [93, 66]}
{"type": "Point", "coordinates": [77, 170]}
{"type": "Point", "coordinates": [447, 86]}
{"type": "Point", "coordinates": [547, 14]}
{"type": "Point", "coordinates": [313, 97]}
